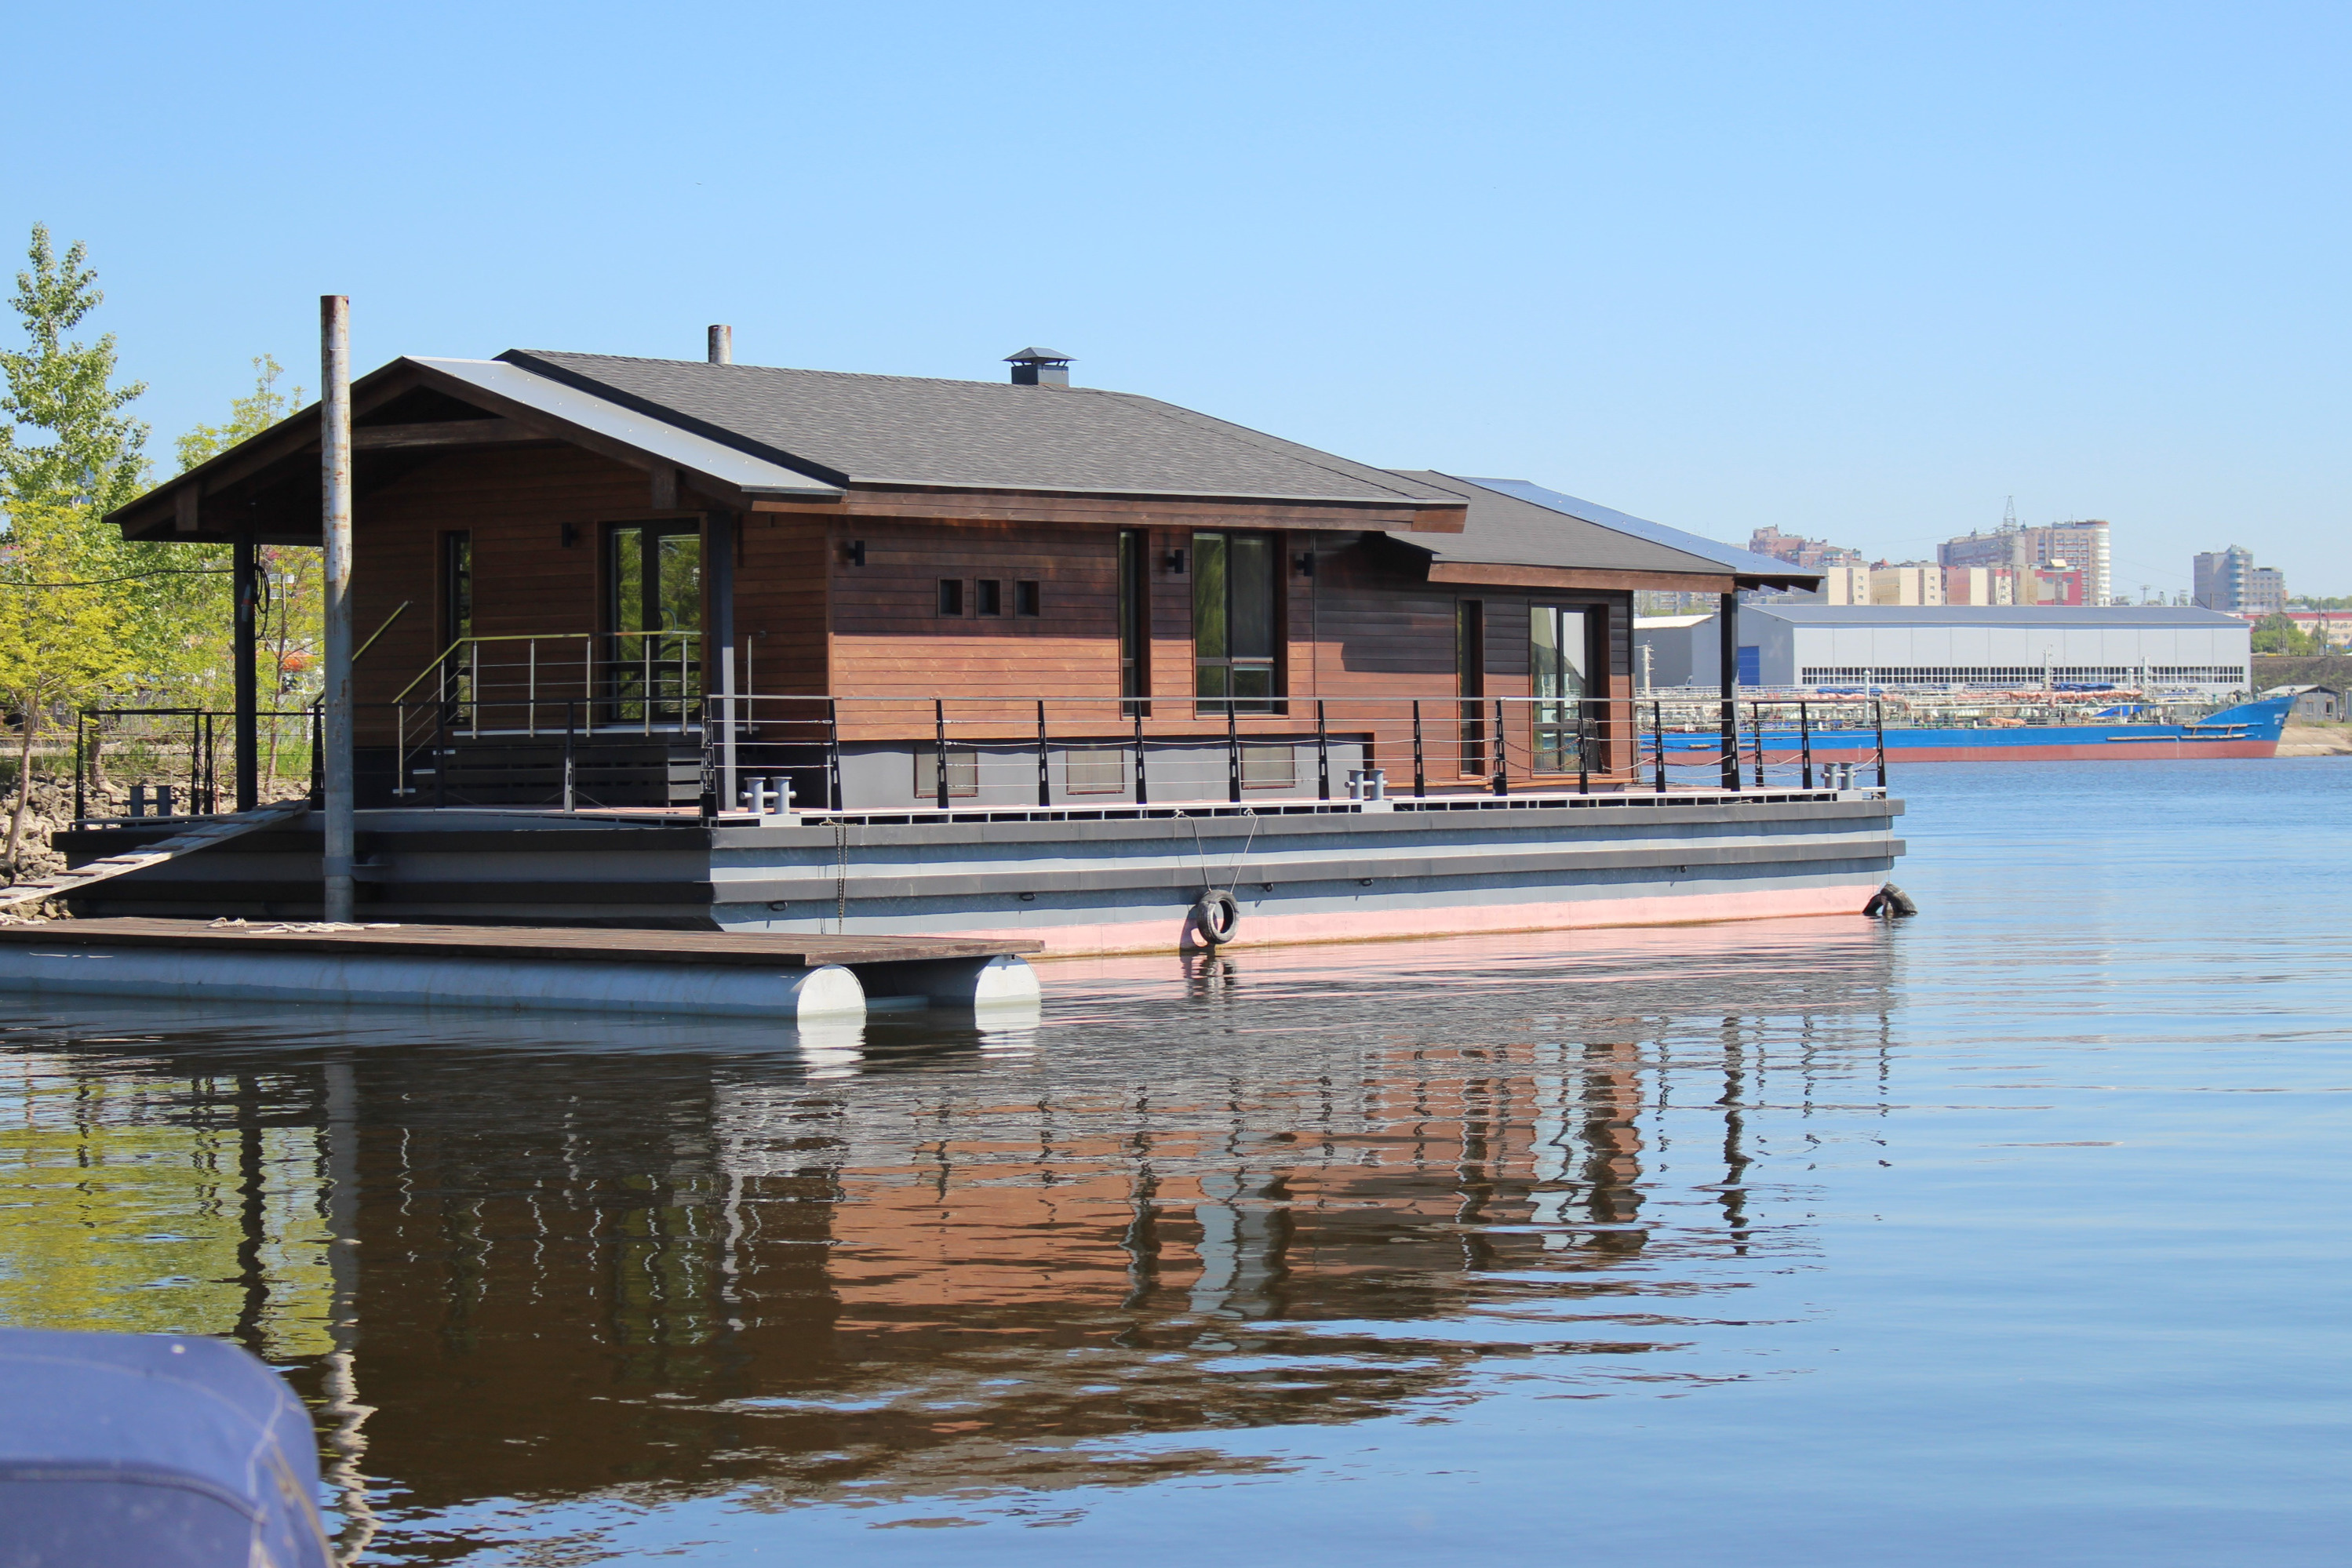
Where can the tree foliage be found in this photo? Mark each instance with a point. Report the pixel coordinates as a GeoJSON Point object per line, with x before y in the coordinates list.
{"type": "Point", "coordinates": [2278, 634]}
{"type": "Point", "coordinates": [95, 456]}
{"type": "Point", "coordinates": [60, 644]}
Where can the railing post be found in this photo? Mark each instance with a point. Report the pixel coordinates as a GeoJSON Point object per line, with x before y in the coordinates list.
{"type": "Point", "coordinates": [441, 754]}
{"type": "Point", "coordinates": [1322, 755]}
{"type": "Point", "coordinates": [1658, 727]}
{"type": "Point", "coordinates": [1759, 710]}
{"type": "Point", "coordinates": [1502, 753]}
{"type": "Point", "coordinates": [1731, 746]}
{"type": "Point", "coordinates": [530, 692]}
{"type": "Point", "coordinates": [1232, 752]}
{"type": "Point", "coordinates": [1419, 769]}
{"type": "Point", "coordinates": [1045, 771]}
{"type": "Point", "coordinates": [317, 753]}
{"type": "Point", "coordinates": [1584, 749]}
{"type": "Point", "coordinates": [571, 763]}
{"type": "Point", "coordinates": [82, 799]}
{"type": "Point", "coordinates": [474, 691]}
{"type": "Point", "coordinates": [1142, 786]}
{"type": "Point", "coordinates": [1878, 712]}
{"type": "Point", "coordinates": [940, 729]}
{"type": "Point", "coordinates": [728, 798]}
{"type": "Point", "coordinates": [1805, 740]}
{"type": "Point", "coordinates": [833, 752]}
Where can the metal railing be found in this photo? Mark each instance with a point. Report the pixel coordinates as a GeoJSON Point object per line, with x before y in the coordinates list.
{"type": "Point", "coordinates": [181, 761]}
{"type": "Point", "coordinates": [1063, 752]}
{"type": "Point", "coordinates": [732, 753]}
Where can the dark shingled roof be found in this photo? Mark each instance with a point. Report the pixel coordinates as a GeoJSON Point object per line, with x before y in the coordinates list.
{"type": "Point", "coordinates": [1502, 531]}
{"type": "Point", "coordinates": [983, 436]}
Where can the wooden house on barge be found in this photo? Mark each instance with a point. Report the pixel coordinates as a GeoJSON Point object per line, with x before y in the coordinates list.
{"type": "Point", "coordinates": [587, 584]}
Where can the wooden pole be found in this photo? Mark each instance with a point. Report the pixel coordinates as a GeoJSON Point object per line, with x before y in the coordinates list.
{"type": "Point", "coordinates": [335, 526]}
{"type": "Point", "coordinates": [249, 705]}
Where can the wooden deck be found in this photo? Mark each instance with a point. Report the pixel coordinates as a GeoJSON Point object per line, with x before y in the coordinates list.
{"type": "Point", "coordinates": [571, 943]}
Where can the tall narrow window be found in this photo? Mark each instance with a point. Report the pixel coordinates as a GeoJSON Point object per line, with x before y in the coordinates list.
{"type": "Point", "coordinates": [1233, 584]}
{"type": "Point", "coordinates": [1469, 684]}
{"type": "Point", "coordinates": [1559, 651]}
{"type": "Point", "coordinates": [654, 622]}
{"type": "Point", "coordinates": [456, 588]}
{"type": "Point", "coordinates": [1134, 619]}
{"type": "Point", "coordinates": [456, 614]}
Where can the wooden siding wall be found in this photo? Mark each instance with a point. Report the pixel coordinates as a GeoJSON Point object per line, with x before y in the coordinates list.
{"type": "Point", "coordinates": [1364, 630]}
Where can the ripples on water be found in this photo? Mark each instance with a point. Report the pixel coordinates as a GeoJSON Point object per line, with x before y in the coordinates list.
{"type": "Point", "coordinates": [2012, 1233]}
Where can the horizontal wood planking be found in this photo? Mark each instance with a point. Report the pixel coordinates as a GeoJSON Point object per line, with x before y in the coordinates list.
{"type": "Point", "coordinates": [1131, 512]}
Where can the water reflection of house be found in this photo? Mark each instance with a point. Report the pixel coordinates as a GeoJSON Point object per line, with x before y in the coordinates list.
{"type": "Point", "coordinates": [553, 1276]}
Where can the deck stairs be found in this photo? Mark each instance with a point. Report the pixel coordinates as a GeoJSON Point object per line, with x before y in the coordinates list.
{"type": "Point", "coordinates": [203, 834]}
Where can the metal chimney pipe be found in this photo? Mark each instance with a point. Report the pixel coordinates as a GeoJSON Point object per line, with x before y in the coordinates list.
{"type": "Point", "coordinates": [722, 345]}
{"type": "Point", "coordinates": [335, 528]}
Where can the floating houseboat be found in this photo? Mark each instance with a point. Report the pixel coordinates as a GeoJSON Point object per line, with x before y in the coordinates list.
{"type": "Point", "coordinates": [705, 646]}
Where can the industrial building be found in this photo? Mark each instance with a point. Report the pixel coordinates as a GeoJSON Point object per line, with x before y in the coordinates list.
{"type": "Point", "coordinates": [1788, 643]}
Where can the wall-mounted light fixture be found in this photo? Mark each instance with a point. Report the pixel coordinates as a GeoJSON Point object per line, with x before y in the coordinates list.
{"type": "Point", "coordinates": [852, 551]}
{"type": "Point", "coordinates": [1177, 562]}
{"type": "Point", "coordinates": [1304, 562]}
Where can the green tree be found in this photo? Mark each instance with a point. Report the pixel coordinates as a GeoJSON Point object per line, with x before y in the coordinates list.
{"type": "Point", "coordinates": [62, 643]}
{"type": "Point", "coordinates": [95, 458]}
{"type": "Point", "coordinates": [2278, 634]}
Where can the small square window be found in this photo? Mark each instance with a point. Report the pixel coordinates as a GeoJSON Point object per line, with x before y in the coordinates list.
{"type": "Point", "coordinates": [1027, 599]}
{"type": "Point", "coordinates": [988, 597]}
{"type": "Point", "coordinates": [1269, 768]}
{"type": "Point", "coordinates": [950, 596]}
{"type": "Point", "coordinates": [1101, 771]}
{"type": "Point", "coordinates": [963, 773]}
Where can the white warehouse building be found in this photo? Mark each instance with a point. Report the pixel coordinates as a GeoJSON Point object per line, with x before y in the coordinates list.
{"type": "Point", "coordinates": [1798, 643]}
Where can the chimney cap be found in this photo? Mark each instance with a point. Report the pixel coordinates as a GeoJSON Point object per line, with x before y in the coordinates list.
{"type": "Point", "coordinates": [1038, 357]}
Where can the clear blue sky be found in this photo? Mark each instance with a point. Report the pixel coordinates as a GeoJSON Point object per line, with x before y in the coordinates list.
{"type": "Point", "coordinates": [1858, 271]}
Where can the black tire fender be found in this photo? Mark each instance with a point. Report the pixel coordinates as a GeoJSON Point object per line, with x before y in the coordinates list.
{"type": "Point", "coordinates": [1216, 916]}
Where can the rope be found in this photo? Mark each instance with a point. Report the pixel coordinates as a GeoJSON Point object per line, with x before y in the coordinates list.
{"type": "Point", "coordinates": [134, 577]}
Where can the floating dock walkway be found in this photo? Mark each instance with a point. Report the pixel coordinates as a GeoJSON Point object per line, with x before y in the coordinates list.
{"type": "Point", "coordinates": [786, 979]}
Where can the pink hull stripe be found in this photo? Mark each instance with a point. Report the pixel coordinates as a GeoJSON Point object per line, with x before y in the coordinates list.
{"type": "Point", "coordinates": [1172, 933]}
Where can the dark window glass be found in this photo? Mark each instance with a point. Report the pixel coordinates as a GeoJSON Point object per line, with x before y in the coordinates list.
{"type": "Point", "coordinates": [1026, 598]}
{"type": "Point", "coordinates": [1134, 616]}
{"type": "Point", "coordinates": [988, 597]}
{"type": "Point", "coordinates": [653, 613]}
{"type": "Point", "coordinates": [1558, 653]}
{"type": "Point", "coordinates": [1470, 683]}
{"type": "Point", "coordinates": [1234, 583]}
{"type": "Point", "coordinates": [457, 587]}
{"type": "Point", "coordinates": [950, 596]}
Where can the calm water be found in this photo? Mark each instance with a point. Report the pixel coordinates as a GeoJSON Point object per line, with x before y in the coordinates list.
{"type": "Point", "coordinates": [2016, 1233]}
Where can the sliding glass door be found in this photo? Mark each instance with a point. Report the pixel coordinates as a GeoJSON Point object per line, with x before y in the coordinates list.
{"type": "Point", "coordinates": [1233, 584]}
{"type": "Point", "coordinates": [653, 621]}
{"type": "Point", "coordinates": [1559, 657]}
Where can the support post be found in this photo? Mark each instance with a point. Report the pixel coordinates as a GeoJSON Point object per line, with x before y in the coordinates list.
{"type": "Point", "coordinates": [1878, 716]}
{"type": "Point", "coordinates": [335, 526]}
{"type": "Point", "coordinates": [939, 727]}
{"type": "Point", "coordinates": [1805, 741]}
{"type": "Point", "coordinates": [1045, 771]}
{"type": "Point", "coordinates": [1502, 753]}
{"type": "Point", "coordinates": [1420, 769]}
{"type": "Point", "coordinates": [1726, 626]}
{"type": "Point", "coordinates": [1232, 754]}
{"type": "Point", "coordinates": [1322, 755]}
{"type": "Point", "coordinates": [246, 566]}
{"type": "Point", "coordinates": [1142, 785]}
{"type": "Point", "coordinates": [728, 799]}
{"type": "Point", "coordinates": [1658, 726]}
